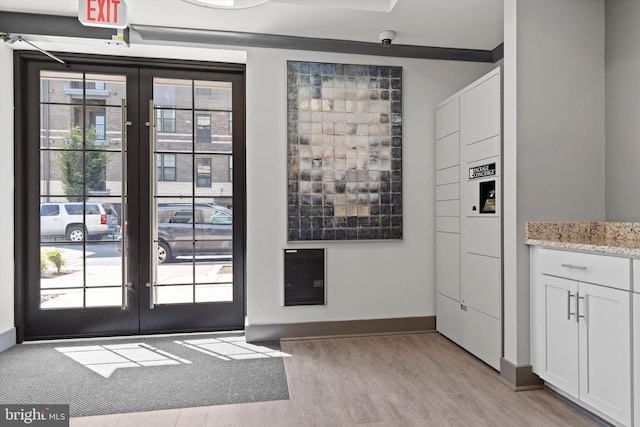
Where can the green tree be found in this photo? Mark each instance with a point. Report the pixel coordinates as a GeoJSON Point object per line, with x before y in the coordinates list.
{"type": "Point", "coordinates": [71, 164]}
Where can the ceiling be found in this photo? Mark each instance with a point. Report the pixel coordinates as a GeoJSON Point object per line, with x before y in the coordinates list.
{"type": "Point", "coordinates": [465, 24]}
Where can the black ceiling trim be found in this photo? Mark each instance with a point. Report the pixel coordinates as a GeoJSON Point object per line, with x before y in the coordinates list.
{"type": "Point", "coordinates": [231, 38]}
{"type": "Point", "coordinates": [50, 25]}
{"type": "Point", "coordinates": [69, 26]}
{"type": "Point", "coordinates": [498, 52]}
{"type": "Point", "coordinates": [76, 60]}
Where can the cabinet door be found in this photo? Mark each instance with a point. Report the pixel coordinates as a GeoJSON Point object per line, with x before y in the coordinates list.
{"type": "Point", "coordinates": [448, 118]}
{"type": "Point", "coordinates": [559, 364]}
{"type": "Point", "coordinates": [605, 350]}
{"type": "Point", "coordinates": [480, 111]}
{"type": "Point", "coordinates": [448, 265]}
{"type": "Point", "coordinates": [636, 353]}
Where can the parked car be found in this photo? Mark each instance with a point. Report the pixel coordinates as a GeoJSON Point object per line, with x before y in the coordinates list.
{"type": "Point", "coordinates": [179, 225]}
{"type": "Point", "coordinates": [77, 221]}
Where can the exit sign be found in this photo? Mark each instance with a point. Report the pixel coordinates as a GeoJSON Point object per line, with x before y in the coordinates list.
{"type": "Point", "coordinates": [103, 13]}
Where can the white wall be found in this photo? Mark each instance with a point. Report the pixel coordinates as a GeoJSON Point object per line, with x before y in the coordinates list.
{"type": "Point", "coordinates": [6, 190]}
{"type": "Point", "coordinates": [554, 134]}
{"type": "Point", "coordinates": [623, 110]}
{"type": "Point", "coordinates": [365, 279]}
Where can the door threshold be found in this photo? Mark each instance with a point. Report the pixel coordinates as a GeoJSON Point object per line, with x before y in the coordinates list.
{"type": "Point", "coordinates": [131, 337]}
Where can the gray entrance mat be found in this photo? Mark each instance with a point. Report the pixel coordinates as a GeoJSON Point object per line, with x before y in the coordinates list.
{"type": "Point", "coordinates": [135, 374]}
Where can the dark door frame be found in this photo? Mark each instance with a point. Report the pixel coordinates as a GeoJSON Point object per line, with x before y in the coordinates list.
{"type": "Point", "coordinates": [26, 227]}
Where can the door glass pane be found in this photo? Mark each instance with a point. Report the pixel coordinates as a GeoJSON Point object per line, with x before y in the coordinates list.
{"type": "Point", "coordinates": [193, 232]}
{"type": "Point", "coordinates": [173, 177]}
{"type": "Point", "coordinates": [110, 88]}
{"type": "Point", "coordinates": [175, 93]}
{"type": "Point", "coordinates": [61, 87]}
{"type": "Point", "coordinates": [203, 128]}
{"type": "Point", "coordinates": [222, 292]}
{"type": "Point", "coordinates": [214, 131]}
{"type": "Point", "coordinates": [174, 130]}
{"type": "Point", "coordinates": [212, 95]}
{"type": "Point", "coordinates": [80, 190]}
{"type": "Point", "coordinates": [179, 294]}
{"type": "Point", "coordinates": [104, 297]}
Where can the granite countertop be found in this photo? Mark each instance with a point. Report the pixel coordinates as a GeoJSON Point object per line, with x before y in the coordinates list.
{"type": "Point", "coordinates": [618, 238]}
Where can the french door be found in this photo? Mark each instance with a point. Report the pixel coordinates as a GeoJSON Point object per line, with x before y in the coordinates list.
{"type": "Point", "coordinates": [133, 219]}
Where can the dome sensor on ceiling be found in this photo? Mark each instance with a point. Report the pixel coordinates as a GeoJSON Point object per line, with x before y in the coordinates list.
{"type": "Point", "coordinates": [386, 37]}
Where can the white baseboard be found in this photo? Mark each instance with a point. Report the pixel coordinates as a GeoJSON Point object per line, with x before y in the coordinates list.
{"type": "Point", "coordinates": [7, 339]}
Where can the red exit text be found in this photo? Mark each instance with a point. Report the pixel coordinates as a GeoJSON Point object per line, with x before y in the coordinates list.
{"type": "Point", "coordinates": [103, 11]}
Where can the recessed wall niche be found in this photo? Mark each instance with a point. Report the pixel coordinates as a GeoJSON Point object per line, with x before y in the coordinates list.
{"type": "Point", "coordinates": [344, 151]}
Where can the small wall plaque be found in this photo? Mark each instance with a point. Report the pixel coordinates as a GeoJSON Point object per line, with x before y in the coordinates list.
{"type": "Point", "coordinates": [482, 171]}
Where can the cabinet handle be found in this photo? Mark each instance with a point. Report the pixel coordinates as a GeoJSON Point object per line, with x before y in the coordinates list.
{"type": "Point", "coordinates": [574, 267]}
{"type": "Point", "coordinates": [569, 313]}
{"type": "Point", "coordinates": [578, 308]}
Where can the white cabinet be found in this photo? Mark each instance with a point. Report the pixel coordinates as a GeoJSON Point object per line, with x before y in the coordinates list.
{"type": "Point", "coordinates": [581, 331]}
{"type": "Point", "coordinates": [557, 348]}
{"type": "Point", "coordinates": [468, 241]}
{"type": "Point", "coordinates": [605, 350]}
{"type": "Point", "coordinates": [636, 354]}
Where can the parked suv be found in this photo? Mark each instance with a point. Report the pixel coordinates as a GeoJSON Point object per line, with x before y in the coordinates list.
{"type": "Point", "coordinates": [76, 221]}
{"type": "Point", "coordinates": [179, 225]}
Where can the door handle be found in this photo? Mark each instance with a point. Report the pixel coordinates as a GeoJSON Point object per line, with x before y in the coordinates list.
{"type": "Point", "coordinates": [123, 203]}
{"type": "Point", "coordinates": [153, 209]}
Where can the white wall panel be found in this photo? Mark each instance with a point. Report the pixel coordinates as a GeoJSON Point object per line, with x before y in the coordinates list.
{"type": "Point", "coordinates": [480, 112]}
{"type": "Point", "coordinates": [448, 208]}
{"type": "Point", "coordinates": [448, 151]}
{"type": "Point", "coordinates": [448, 224]}
{"type": "Point", "coordinates": [448, 264]}
{"type": "Point", "coordinates": [448, 175]}
{"type": "Point", "coordinates": [482, 239]}
{"type": "Point", "coordinates": [448, 118]}
{"type": "Point", "coordinates": [483, 149]}
{"type": "Point", "coordinates": [483, 337]}
{"type": "Point", "coordinates": [448, 191]}
{"type": "Point", "coordinates": [481, 275]}
{"type": "Point", "coordinates": [449, 321]}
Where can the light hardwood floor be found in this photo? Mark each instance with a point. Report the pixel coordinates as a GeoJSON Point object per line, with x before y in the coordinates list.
{"type": "Point", "coordinates": [384, 380]}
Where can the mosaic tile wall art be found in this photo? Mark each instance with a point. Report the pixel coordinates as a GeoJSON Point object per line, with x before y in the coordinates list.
{"type": "Point", "coordinates": [344, 151]}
